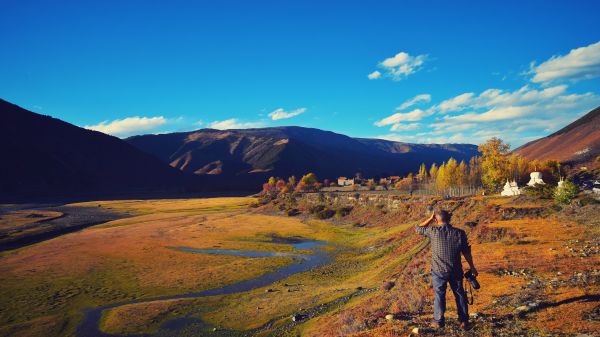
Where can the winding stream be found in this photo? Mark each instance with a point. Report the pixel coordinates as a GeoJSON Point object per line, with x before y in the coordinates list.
{"type": "Point", "coordinates": [90, 326]}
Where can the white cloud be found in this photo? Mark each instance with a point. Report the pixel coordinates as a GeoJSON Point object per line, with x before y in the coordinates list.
{"type": "Point", "coordinates": [413, 116]}
{"type": "Point", "coordinates": [128, 126]}
{"type": "Point", "coordinates": [495, 114]}
{"type": "Point", "coordinates": [425, 139]}
{"type": "Point", "coordinates": [405, 127]}
{"type": "Point", "coordinates": [234, 123]}
{"type": "Point", "coordinates": [374, 75]}
{"type": "Point", "coordinates": [456, 103]}
{"type": "Point", "coordinates": [580, 63]}
{"type": "Point", "coordinates": [400, 66]}
{"type": "Point", "coordinates": [282, 114]}
{"type": "Point", "coordinates": [415, 100]}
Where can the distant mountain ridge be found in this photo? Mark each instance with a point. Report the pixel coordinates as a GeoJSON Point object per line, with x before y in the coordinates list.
{"type": "Point", "coordinates": [44, 156]}
{"type": "Point", "coordinates": [251, 155]}
{"type": "Point", "coordinates": [576, 142]}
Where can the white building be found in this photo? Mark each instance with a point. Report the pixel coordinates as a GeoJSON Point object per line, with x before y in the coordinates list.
{"type": "Point", "coordinates": [510, 189]}
{"type": "Point", "coordinates": [343, 181]}
{"type": "Point", "coordinates": [535, 178]}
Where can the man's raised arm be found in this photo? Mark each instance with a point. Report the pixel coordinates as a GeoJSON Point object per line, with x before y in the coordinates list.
{"type": "Point", "coordinates": [422, 227]}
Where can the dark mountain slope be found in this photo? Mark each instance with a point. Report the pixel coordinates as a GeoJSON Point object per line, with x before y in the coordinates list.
{"type": "Point", "coordinates": [577, 142]}
{"type": "Point", "coordinates": [44, 156]}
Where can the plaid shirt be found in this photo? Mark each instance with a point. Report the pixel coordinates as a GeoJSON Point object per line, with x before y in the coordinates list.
{"type": "Point", "coordinates": [447, 243]}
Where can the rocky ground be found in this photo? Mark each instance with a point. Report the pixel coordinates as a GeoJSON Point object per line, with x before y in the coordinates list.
{"type": "Point", "coordinates": [539, 267]}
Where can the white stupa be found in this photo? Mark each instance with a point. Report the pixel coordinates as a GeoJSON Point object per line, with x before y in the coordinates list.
{"type": "Point", "coordinates": [535, 178]}
{"type": "Point", "coordinates": [510, 189]}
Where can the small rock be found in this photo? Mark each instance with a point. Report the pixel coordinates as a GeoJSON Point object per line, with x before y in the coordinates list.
{"type": "Point", "coordinates": [388, 285]}
{"type": "Point", "coordinates": [415, 331]}
{"type": "Point", "coordinates": [359, 288]}
{"type": "Point", "coordinates": [298, 317]}
{"type": "Point", "coordinates": [522, 308]}
{"type": "Point", "coordinates": [269, 290]}
{"type": "Point", "coordinates": [389, 317]}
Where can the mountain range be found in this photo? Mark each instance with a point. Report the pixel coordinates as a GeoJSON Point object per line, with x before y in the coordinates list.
{"type": "Point", "coordinates": [47, 157]}
{"type": "Point", "coordinates": [246, 158]}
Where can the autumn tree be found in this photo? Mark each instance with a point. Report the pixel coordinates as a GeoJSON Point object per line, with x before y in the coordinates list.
{"type": "Point", "coordinates": [494, 163]}
{"type": "Point", "coordinates": [433, 171]}
{"type": "Point", "coordinates": [422, 175]}
{"type": "Point", "coordinates": [462, 175]}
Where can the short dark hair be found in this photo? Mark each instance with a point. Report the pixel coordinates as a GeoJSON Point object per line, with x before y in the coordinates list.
{"type": "Point", "coordinates": [443, 216]}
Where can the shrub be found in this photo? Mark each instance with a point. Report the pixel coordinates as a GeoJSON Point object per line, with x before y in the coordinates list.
{"type": "Point", "coordinates": [542, 191]}
{"type": "Point", "coordinates": [293, 212]}
{"type": "Point", "coordinates": [325, 214]}
{"type": "Point", "coordinates": [565, 192]}
{"type": "Point", "coordinates": [342, 212]}
{"type": "Point", "coordinates": [316, 209]}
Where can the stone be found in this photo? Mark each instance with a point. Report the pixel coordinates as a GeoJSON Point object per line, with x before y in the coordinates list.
{"type": "Point", "coordinates": [388, 285]}
{"type": "Point", "coordinates": [522, 308]}
{"type": "Point", "coordinates": [298, 317]}
{"type": "Point", "coordinates": [389, 317]}
{"type": "Point", "coordinates": [415, 331]}
{"type": "Point", "coordinates": [269, 290]}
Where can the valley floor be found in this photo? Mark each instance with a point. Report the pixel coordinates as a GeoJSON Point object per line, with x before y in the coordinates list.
{"type": "Point", "coordinates": [539, 273]}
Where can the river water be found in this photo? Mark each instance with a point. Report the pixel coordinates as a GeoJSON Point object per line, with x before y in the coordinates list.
{"type": "Point", "coordinates": [89, 327]}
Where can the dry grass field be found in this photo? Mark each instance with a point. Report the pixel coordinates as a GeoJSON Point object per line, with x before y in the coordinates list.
{"type": "Point", "coordinates": [539, 275]}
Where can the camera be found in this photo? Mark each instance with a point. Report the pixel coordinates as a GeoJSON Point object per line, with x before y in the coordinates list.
{"type": "Point", "coordinates": [472, 279]}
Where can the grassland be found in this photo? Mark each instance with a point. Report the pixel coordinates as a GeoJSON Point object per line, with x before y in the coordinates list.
{"type": "Point", "coordinates": [547, 265]}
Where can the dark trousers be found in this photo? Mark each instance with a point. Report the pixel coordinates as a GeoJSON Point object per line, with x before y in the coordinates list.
{"type": "Point", "coordinates": [440, 282]}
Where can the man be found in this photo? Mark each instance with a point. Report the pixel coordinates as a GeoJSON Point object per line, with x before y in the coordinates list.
{"type": "Point", "coordinates": [447, 244]}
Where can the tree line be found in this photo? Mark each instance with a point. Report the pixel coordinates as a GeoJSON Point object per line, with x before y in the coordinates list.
{"type": "Point", "coordinates": [488, 172]}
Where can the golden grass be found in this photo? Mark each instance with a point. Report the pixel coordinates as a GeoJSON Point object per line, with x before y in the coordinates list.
{"type": "Point", "coordinates": [112, 263]}
{"type": "Point", "coordinates": [47, 284]}
{"type": "Point", "coordinates": [19, 218]}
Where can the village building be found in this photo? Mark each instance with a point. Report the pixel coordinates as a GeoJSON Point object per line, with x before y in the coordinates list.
{"type": "Point", "coordinates": [343, 181]}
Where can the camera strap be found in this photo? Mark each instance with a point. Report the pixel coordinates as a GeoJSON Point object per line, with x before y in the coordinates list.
{"type": "Point", "coordinates": [469, 289]}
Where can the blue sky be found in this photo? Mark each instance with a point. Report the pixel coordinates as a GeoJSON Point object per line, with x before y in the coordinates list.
{"type": "Point", "coordinates": [411, 71]}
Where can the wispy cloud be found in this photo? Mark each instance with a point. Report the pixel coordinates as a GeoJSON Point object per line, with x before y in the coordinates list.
{"type": "Point", "coordinates": [405, 127]}
{"type": "Point", "coordinates": [129, 126]}
{"type": "Point", "coordinates": [399, 66]}
{"type": "Point", "coordinates": [412, 116]}
{"type": "Point", "coordinates": [579, 63]}
{"type": "Point", "coordinates": [234, 123]}
{"type": "Point", "coordinates": [415, 100]}
{"type": "Point", "coordinates": [282, 114]}
{"type": "Point", "coordinates": [374, 75]}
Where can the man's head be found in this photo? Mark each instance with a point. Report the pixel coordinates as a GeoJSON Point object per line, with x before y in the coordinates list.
{"type": "Point", "coordinates": [442, 216]}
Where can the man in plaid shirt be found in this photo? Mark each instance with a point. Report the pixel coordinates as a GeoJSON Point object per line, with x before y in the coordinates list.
{"type": "Point", "coordinates": [447, 245]}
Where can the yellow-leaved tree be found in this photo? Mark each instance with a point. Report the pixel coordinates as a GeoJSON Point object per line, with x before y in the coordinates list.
{"type": "Point", "coordinates": [494, 163]}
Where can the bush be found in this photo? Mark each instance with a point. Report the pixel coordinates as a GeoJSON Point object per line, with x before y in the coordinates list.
{"type": "Point", "coordinates": [316, 209]}
{"type": "Point", "coordinates": [542, 191]}
{"type": "Point", "coordinates": [325, 214]}
{"type": "Point", "coordinates": [342, 212]}
{"type": "Point", "coordinates": [293, 212]}
{"type": "Point", "coordinates": [565, 193]}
